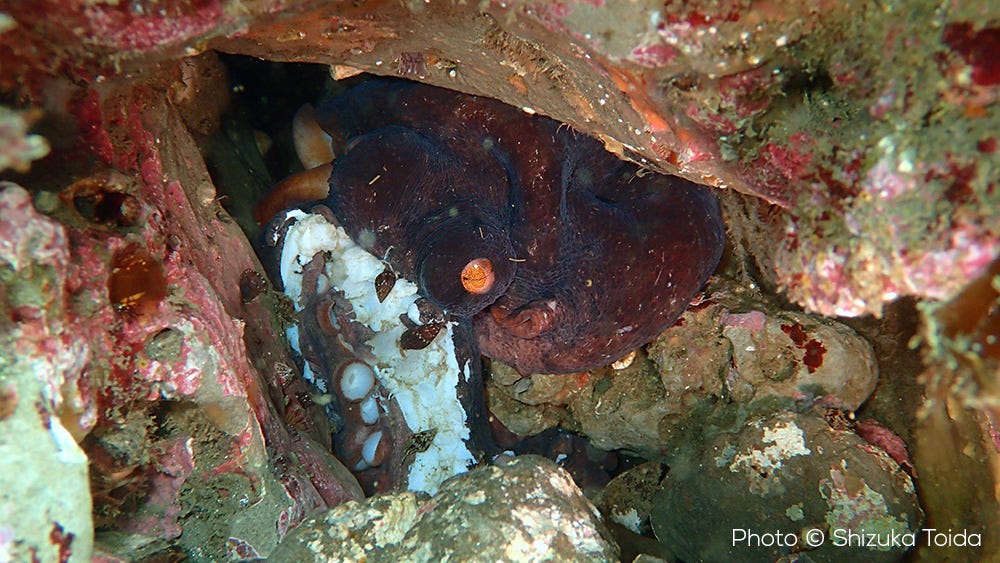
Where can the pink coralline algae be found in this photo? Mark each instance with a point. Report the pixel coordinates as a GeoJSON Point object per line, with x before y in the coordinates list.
{"type": "Point", "coordinates": [654, 55]}
{"type": "Point", "coordinates": [177, 463]}
{"type": "Point", "coordinates": [752, 321]}
{"type": "Point", "coordinates": [867, 271]}
{"type": "Point", "coordinates": [161, 393]}
{"type": "Point", "coordinates": [777, 165]}
{"type": "Point", "coordinates": [136, 27]}
{"type": "Point", "coordinates": [888, 441]}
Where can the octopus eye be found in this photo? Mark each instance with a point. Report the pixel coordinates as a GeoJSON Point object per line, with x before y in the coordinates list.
{"type": "Point", "coordinates": [478, 276]}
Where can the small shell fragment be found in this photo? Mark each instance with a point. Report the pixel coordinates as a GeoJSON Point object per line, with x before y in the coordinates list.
{"type": "Point", "coordinates": [420, 337]}
{"type": "Point", "coordinates": [624, 362]}
{"type": "Point", "coordinates": [384, 283]}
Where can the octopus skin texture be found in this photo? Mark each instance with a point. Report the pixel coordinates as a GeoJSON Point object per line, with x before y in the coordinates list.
{"type": "Point", "coordinates": [563, 257]}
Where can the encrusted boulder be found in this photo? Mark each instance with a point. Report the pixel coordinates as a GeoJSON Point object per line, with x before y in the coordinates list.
{"type": "Point", "coordinates": [784, 485]}
{"type": "Point", "coordinates": [520, 509]}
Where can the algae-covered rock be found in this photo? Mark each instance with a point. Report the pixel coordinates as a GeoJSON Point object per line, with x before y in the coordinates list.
{"type": "Point", "coordinates": [521, 509]}
{"type": "Point", "coordinates": [44, 492]}
{"type": "Point", "coordinates": [788, 484]}
{"type": "Point", "coordinates": [726, 361]}
{"type": "Point", "coordinates": [630, 497]}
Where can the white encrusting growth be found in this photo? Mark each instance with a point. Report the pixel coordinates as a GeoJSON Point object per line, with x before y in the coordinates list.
{"type": "Point", "coordinates": [422, 382]}
{"type": "Point", "coordinates": [786, 441]}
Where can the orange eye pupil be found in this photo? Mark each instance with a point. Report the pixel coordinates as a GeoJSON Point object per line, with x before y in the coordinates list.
{"type": "Point", "coordinates": [478, 276]}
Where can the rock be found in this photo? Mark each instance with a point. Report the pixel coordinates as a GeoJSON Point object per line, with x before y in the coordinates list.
{"type": "Point", "coordinates": [798, 484]}
{"type": "Point", "coordinates": [629, 498]}
{"type": "Point", "coordinates": [44, 492]}
{"type": "Point", "coordinates": [725, 361]}
{"type": "Point", "coordinates": [122, 308]}
{"type": "Point", "coordinates": [521, 509]}
{"type": "Point", "coordinates": [794, 355]}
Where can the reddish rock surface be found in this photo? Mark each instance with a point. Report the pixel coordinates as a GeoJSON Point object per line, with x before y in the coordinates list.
{"type": "Point", "coordinates": [172, 411]}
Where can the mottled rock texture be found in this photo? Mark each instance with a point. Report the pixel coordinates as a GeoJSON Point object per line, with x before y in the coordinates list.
{"type": "Point", "coordinates": [728, 359]}
{"type": "Point", "coordinates": [128, 289]}
{"type": "Point", "coordinates": [520, 509]}
{"type": "Point", "coordinates": [44, 494]}
{"type": "Point", "coordinates": [802, 475]}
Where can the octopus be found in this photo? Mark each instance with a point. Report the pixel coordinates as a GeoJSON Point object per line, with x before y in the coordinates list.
{"type": "Point", "coordinates": [562, 257]}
